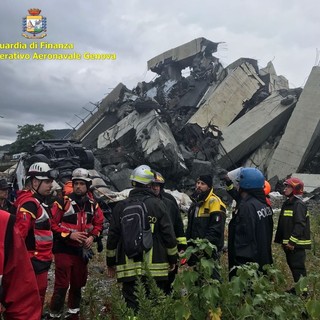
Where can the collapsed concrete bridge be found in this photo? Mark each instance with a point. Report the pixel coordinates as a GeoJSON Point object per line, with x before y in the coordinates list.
{"type": "Point", "coordinates": [217, 117]}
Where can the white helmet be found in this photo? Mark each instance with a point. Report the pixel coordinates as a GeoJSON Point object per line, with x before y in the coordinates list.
{"type": "Point", "coordinates": [142, 174]}
{"type": "Point", "coordinates": [81, 174]}
{"type": "Point", "coordinates": [41, 171]}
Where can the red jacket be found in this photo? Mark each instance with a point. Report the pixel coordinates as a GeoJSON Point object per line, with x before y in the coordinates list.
{"type": "Point", "coordinates": [34, 224]}
{"type": "Point", "coordinates": [75, 216]}
{"type": "Point", "coordinates": [20, 295]}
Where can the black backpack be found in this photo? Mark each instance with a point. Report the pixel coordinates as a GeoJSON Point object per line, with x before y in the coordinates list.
{"type": "Point", "coordinates": [135, 228]}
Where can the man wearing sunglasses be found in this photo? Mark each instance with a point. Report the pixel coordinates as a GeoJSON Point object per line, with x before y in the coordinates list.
{"type": "Point", "coordinates": [33, 221]}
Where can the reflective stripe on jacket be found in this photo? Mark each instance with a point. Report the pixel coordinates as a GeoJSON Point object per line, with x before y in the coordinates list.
{"type": "Point", "coordinates": [163, 252]}
{"type": "Point", "coordinates": [71, 217]}
{"type": "Point", "coordinates": [39, 240]}
{"type": "Point", "coordinates": [206, 220]}
{"type": "Point", "coordinates": [175, 216]}
{"type": "Point", "coordinates": [294, 224]}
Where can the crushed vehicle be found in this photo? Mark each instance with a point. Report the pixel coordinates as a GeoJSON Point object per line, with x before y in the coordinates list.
{"type": "Point", "coordinates": [63, 155]}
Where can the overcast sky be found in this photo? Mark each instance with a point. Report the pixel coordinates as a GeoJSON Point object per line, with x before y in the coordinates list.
{"type": "Point", "coordinates": [55, 92]}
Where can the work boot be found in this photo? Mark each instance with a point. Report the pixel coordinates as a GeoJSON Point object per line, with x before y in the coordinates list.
{"type": "Point", "coordinates": [48, 316]}
{"type": "Point", "coordinates": [291, 291]}
{"type": "Point", "coordinates": [72, 316]}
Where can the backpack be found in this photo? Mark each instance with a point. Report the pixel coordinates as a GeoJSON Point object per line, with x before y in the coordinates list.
{"type": "Point", "coordinates": [135, 228]}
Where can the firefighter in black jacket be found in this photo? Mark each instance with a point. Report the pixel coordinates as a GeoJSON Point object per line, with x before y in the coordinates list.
{"type": "Point", "coordinates": [163, 255]}
{"type": "Point", "coordinates": [293, 230]}
{"type": "Point", "coordinates": [175, 216]}
{"type": "Point", "coordinates": [250, 229]}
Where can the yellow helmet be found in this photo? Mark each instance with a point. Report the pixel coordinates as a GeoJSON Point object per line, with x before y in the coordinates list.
{"type": "Point", "coordinates": [142, 174]}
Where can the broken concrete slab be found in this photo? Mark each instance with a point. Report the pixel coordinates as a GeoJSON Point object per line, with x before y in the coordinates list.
{"type": "Point", "coordinates": [153, 137]}
{"type": "Point", "coordinates": [301, 137]}
{"type": "Point", "coordinates": [274, 81]}
{"type": "Point", "coordinates": [104, 106]}
{"type": "Point", "coordinates": [311, 181]}
{"type": "Point", "coordinates": [120, 179]}
{"type": "Point", "coordinates": [247, 133]}
{"type": "Point", "coordinates": [174, 60]}
{"type": "Point", "coordinates": [200, 167]}
{"type": "Point", "coordinates": [240, 61]}
{"type": "Point", "coordinates": [260, 157]}
{"type": "Point", "coordinates": [226, 101]}
{"type": "Point", "coordinates": [120, 132]}
{"type": "Point", "coordinates": [235, 91]}
{"type": "Point", "coordinates": [100, 189]}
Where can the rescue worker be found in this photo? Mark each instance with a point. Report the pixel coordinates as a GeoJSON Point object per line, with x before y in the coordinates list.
{"type": "Point", "coordinates": [293, 231]}
{"type": "Point", "coordinates": [231, 180]}
{"type": "Point", "coordinates": [267, 190]}
{"type": "Point", "coordinates": [206, 218]}
{"type": "Point", "coordinates": [163, 254]}
{"type": "Point", "coordinates": [19, 295]}
{"type": "Point", "coordinates": [5, 204]}
{"type": "Point", "coordinates": [251, 227]}
{"type": "Point", "coordinates": [233, 188]}
{"type": "Point", "coordinates": [174, 213]}
{"type": "Point", "coordinates": [33, 221]}
{"type": "Point", "coordinates": [76, 224]}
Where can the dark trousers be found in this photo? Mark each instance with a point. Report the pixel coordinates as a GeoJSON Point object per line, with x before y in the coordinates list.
{"type": "Point", "coordinates": [171, 277]}
{"type": "Point", "coordinates": [296, 261]}
{"type": "Point", "coordinates": [128, 290]}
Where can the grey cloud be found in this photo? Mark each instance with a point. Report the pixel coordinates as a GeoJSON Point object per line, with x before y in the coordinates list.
{"type": "Point", "coordinates": [53, 91]}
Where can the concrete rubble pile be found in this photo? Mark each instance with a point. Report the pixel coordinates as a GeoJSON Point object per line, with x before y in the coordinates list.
{"type": "Point", "coordinates": [215, 118]}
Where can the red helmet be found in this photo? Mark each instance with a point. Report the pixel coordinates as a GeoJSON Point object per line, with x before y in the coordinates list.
{"type": "Point", "coordinates": [266, 188]}
{"type": "Point", "coordinates": [296, 185]}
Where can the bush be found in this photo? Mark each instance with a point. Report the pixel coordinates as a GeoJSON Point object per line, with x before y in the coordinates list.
{"type": "Point", "coordinates": [197, 295]}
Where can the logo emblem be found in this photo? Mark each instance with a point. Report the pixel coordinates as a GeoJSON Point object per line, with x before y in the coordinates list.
{"type": "Point", "coordinates": [34, 24]}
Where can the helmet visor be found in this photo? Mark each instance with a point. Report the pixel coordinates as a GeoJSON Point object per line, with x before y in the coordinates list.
{"type": "Point", "coordinates": [51, 174]}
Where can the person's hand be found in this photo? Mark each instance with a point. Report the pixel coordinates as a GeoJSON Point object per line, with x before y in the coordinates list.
{"type": "Point", "coordinates": [79, 236]}
{"type": "Point", "coordinates": [289, 247]}
{"type": "Point", "coordinates": [223, 175]}
{"type": "Point", "coordinates": [87, 254]}
{"type": "Point", "coordinates": [88, 242]}
{"type": "Point", "coordinates": [111, 272]}
{"type": "Point", "coordinates": [172, 267]}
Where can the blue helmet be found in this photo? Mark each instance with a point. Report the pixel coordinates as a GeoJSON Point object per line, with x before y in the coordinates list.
{"type": "Point", "coordinates": [251, 178]}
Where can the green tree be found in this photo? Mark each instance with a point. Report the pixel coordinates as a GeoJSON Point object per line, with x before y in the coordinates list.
{"type": "Point", "coordinates": [27, 136]}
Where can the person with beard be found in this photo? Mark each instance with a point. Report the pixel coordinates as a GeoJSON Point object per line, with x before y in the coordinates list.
{"type": "Point", "coordinates": [206, 218]}
{"type": "Point", "coordinates": [76, 224]}
{"type": "Point", "coordinates": [251, 227]}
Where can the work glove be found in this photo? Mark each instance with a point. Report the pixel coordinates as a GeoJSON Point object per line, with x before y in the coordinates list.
{"type": "Point", "coordinates": [99, 244]}
{"type": "Point", "coordinates": [87, 254]}
{"type": "Point", "coordinates": [223, 174]}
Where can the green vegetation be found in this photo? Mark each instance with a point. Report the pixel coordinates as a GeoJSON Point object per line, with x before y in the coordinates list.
{"type": "Point", "coordinates": [27, 136]}
{"type": "Point", "coordinates": [196, 296]}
